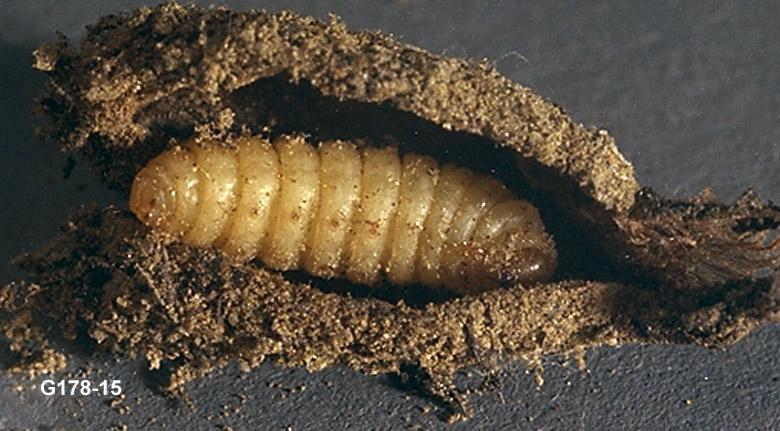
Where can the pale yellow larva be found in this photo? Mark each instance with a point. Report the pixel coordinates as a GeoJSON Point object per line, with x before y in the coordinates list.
{"type": "Point", "coordinates": [340, 211]}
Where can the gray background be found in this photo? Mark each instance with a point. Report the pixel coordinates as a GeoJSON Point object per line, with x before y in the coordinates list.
{"type": "Point", "coordinates": [689, 89]}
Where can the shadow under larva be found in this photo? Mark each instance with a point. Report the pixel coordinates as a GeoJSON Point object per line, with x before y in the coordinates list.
{"type": "Point", "coordinates": [631, 266]}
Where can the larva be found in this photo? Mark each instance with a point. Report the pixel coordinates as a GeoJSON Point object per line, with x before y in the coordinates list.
{"type": "Point", "coordinates": [341, 211]}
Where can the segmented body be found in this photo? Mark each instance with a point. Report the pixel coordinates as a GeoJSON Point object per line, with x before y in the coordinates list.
{"type": "Point", "coordinates": [338, 210]}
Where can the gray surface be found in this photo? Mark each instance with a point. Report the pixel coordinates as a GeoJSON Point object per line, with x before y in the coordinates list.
{"type": "Point", "coordinates": [690, 91]}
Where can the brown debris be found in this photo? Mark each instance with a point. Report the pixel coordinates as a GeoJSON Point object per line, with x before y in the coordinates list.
{"type": "Point", "coordinates": [191, 310]}
{"type": "Point", "coordinates": [184, 61]}
{"type": "Point", "coordinates": [703, 242]}
{"type": "Point", "coordinates": [678, 272]}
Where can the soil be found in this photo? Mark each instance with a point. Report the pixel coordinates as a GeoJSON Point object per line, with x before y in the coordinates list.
{"type": "Point", "coordinates": [635, 267]}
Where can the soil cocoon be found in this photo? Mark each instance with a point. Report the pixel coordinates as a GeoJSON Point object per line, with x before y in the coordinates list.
{"type": "Point", "coordinates": [633, 266]}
